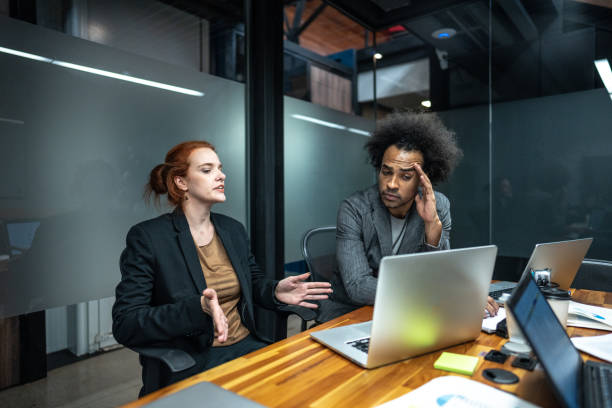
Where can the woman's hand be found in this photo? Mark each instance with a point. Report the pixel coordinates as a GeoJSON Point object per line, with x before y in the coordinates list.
{"type": "Point", "coordinates": [294, 291]}
{"type": "Point", "coordinates": [491, 308]}
{"type": "Point", "coordinates": [210, 304]}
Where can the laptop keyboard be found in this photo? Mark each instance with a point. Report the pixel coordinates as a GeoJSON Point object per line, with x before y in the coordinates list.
{"type": "Point", "coordinates": [497, 289]}
{"type": "Point", "coordinates": [598, 384]}
{"type": "Point", "coordinates": [497, 294]}
{"type": "Point", "coordinates": [361, 344]}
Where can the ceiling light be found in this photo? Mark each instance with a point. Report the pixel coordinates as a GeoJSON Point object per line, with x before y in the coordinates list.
{"type": "Point", "coordinates": [128, 78]}
{"type": "Point", "coordinates": [603, 67]}
{"type": "Point", "coordinates": [101, 72]}
{"type": "Point", "coordinates": [13, 121]}
{"type": "Point", "coordinates": [378, 56]}
{"type": "Point", "coordinates": [24, 54]}
{"type": "Point", "coordinates": [319, 121]}
{"type": "Point", "coordinates": [426, 104]}
{"type": "Point", "coordinates": [444, 33]}
{"type": "Point", "coordinates": [329, 124]}
{"type": "Point", "coordinates": [359, 131]}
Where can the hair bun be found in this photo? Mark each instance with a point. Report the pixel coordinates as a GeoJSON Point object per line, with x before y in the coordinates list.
{"type": "Point", "coordinates": [157, 179]}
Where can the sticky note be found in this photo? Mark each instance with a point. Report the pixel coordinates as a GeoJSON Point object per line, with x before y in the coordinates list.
{"type": "Point", "coordinates": [457, 363]}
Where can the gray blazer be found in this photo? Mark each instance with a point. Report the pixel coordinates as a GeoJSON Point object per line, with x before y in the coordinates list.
{"type": "Point", "coordinates": [363, 238]}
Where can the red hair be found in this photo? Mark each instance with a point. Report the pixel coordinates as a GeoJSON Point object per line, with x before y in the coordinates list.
{"type": "Point", "coordinates": [161, 178]}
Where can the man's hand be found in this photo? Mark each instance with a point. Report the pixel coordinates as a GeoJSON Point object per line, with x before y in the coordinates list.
{"type": "Point", "coordinates": [491, 308]}
{"type": "Point", "coordinates": [294, 291]}
{"type": "Point", "coordinates": [426, 207]}
{"type": "Point", "coordinates": [210, 303]}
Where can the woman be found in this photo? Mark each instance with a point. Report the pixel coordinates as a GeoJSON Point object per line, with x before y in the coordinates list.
{"type": "Point", "coordinates": [188, 278]}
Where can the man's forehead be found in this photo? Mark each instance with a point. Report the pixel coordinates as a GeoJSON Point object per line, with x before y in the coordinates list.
{"type": "Point", "coordinates": [403, 161]}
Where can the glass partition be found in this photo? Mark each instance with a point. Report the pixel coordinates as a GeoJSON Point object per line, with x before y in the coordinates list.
{"type": "Point", "coordinates": [468, 187]}
{"type": "Point", "coordinates": [548, 171]}
{"type": "Point", "coordinates": [324, 163]}
{"type": "Point", "coordinates": [552, 117]}
{"type": "Point", "coordinates": [80, 132]}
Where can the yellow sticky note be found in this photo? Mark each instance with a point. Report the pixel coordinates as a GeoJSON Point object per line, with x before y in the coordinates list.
{"type": "Point", "coordinates": [457, 363]}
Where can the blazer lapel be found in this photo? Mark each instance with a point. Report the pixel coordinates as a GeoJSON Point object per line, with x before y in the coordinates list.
{"type": "Point", "coordinates": [188, 248]}
{"type": "Point", "coordinates": [382, 222]}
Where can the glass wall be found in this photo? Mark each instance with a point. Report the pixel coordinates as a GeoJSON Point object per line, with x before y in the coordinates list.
{"type": "Point", "coordinates": [324, 163]}
{"type": "Point", "coordinates": [94, 93]}
{"type": "Point", "coordinates": [551, 125]}
{"type": "Point", "coordinates": [518, 83]}
{"type": "Point", "coordinates": [77, 150]}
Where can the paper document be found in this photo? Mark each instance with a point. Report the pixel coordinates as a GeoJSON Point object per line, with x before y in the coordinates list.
{"type": "Point", "coordinates": [593, 317]}
{"type": "Point", "coordinates": [489, 324]}
{"type": "Point", "coordinates": [455, 392]}
{"type": "Point", "coordinates": [598, 346]}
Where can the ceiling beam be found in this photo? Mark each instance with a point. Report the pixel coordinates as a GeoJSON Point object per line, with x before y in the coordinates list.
{"type": "Point", "coordinates": [520, 18]}
{"type": "Point", "coordinates": [312, 18]}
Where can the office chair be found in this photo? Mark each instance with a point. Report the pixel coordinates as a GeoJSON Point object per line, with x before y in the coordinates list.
{"type": "Point", "coordinates": [319, 251]}
{"type": "Point", "coordinates": [177, 360]}
{"type": "Point", "coordinates": [594, 274]}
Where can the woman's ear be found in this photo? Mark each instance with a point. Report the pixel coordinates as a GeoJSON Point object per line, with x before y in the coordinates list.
{"type": "Point", "coordinates": [180, 183]}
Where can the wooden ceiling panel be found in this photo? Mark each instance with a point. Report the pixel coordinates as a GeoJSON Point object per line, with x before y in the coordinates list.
{"type": "Point", "coordinates": [331, 31]}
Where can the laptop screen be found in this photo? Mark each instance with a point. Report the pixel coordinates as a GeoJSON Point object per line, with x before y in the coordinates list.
{"type": "Point", "coordinates": [548, 339]}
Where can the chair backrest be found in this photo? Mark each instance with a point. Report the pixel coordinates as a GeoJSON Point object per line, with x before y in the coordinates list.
{"type": "Point", "coordinates": [319, 251]}
{"type": "Point", "coordinates": [594, 274]}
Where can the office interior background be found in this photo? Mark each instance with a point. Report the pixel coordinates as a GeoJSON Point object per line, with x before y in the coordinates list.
{"type": "Point", "coordinates": [95, 92]}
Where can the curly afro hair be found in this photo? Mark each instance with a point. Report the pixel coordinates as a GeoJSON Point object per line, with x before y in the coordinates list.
{"type": "Point", "coordinates": [424, 132]}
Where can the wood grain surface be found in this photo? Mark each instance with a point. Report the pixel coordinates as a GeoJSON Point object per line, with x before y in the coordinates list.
{"type": "Point", "coordinates": [299, 372]}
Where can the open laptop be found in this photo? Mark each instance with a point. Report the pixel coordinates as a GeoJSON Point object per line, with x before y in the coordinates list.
{"type": "Point", "coordinates": [562, 259]}
{"type": "Point", "coordinates": [424, 302]}
{"type": "Point", "coordinates": [576, 384]}
{"type": "Point", "coordinates": [203, 394]}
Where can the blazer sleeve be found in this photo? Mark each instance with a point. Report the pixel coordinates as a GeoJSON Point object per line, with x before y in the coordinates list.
{"type": "Point", "coordinates": [443, 208]}
{"type": "Point", "coordinates": [136, 321]}
{"type": "Point", "coordinates": [357, 276]}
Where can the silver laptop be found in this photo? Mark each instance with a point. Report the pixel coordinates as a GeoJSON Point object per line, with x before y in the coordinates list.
{"type": "Point", "coordinates": [424, 302]}
{"type": "Point", "coordinates": [561, 259]}
{"type": "Point", "coordinates": [203, 394]}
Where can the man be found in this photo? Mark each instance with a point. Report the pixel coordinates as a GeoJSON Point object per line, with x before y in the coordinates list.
{"type": "Point", "coordinates": [400, 214]}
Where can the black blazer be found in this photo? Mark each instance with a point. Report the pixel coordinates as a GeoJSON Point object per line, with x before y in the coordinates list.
{"type": "Point", "coordinates": [158, 298]}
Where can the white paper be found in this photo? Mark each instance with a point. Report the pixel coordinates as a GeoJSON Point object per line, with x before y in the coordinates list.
{"type": "Point", "coordinates": [594, 317]}
{"type": "Point", "coordinates": [579, 321]}
{"type": "Point", "coordinates": [489, 324]}
{"type": "Point", "coordinates": [455, 392]}
{"type": "Point", "coordinates": [598, 346]}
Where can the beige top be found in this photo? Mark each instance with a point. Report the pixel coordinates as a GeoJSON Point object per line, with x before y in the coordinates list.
{"type": "Point", "coordinates": [220, 275]}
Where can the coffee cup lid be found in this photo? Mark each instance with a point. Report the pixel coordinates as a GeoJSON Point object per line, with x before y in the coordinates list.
{"type": "Point", "coordinates": [554, 293]}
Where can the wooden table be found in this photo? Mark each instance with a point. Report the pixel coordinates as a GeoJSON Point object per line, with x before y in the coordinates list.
{"type": "Point", "coordinates": [299, 372]}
